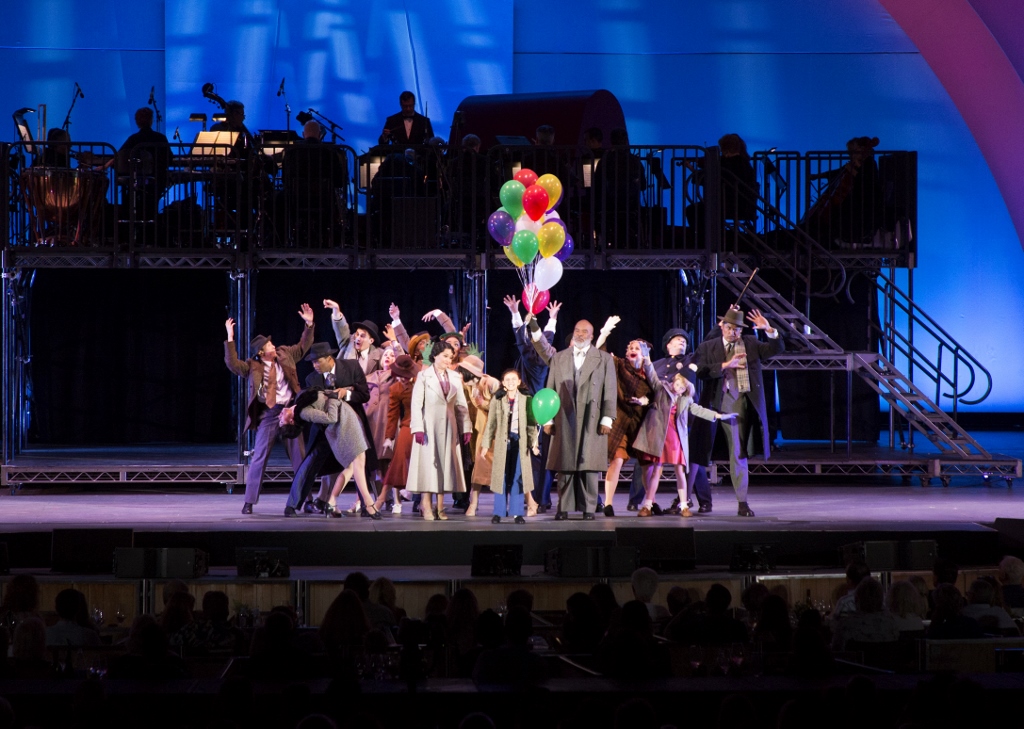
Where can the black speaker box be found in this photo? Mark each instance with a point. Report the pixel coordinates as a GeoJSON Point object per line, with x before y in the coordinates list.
{"type": "Point", "coordinates": [1011, 533]}
{"type": "Point", "coordinates": [87, 551]}
{"type": "Point", "coordinates": [571, 562]}
{"type": "Point", "coordinates": [497, 560]}
{"type": "Point", "coordinates": [752, 558]}
{"type": "Point", "coordinates": [173, 562]}
{"type": "Point", "coordinates": [664, 550]}
{"type": "Point", "coordinates": [918, 554]}
{"type": "Point", "coordinates": [876, 555]}
{"type": "Point", "coordinates": [263, 562]}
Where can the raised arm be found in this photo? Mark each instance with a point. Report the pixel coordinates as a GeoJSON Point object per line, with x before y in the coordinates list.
{"type": "Point", "coordinates": [443, 319]}
{"type": "Point", "coordinates": [237, 366]}
{"type": "Point", "coordinates": [609, 325]}
{"type": "Point", "coordinates": [342, 332]}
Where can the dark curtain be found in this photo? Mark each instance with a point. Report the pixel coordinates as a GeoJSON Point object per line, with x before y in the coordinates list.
{"type": "Point", "coordinates": [124, 357]}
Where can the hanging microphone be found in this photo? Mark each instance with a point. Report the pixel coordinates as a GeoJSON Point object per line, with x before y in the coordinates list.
{"type": "Point", "coordinates": [280, 89]}
{"type": "Point", "coordinates": [152, 97]}
{"type": "Point", "coordinates": [78, 88]}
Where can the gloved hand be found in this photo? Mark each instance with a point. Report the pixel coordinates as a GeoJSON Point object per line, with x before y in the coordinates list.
{"type": "Point", "coordinates": [466, 437]}
{"type": "Point", "coordinates": [420, 438]}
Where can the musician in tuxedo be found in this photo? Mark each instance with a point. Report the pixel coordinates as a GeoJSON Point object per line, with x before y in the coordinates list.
{"type": "Point", "coordinates": [731, 367]}
{"type": "Point", "coordinates": [344, 379]}
{"type": "Point", "coordinates": [407, 126]}
{"type": "Point", "coordinates": [273, 383]}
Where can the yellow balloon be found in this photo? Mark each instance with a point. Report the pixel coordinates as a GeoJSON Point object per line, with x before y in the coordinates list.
{"type": "Point", "coordinates": [513, 257]}
{"type": "Point", "coordinates": [550, 239]}
{"type": "Point", "coordinates": [554, 188]}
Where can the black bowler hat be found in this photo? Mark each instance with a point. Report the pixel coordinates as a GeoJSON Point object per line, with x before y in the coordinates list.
{"type": "Point", "coordinates": [257, 343]}
{"type": "Point", "coordinates": [672, 334]}
{"type": "Point", "coordinates": [318, 350]}
{"type": "Point", "coordinates": [370, 328]}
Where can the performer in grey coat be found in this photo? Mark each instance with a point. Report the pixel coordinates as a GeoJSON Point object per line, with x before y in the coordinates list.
{"type": "Point", "coordinates": [732, 366]}
{"type": "Point", "coordinates": [584, 379]}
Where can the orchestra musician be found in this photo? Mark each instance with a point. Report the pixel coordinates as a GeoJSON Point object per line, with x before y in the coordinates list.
{"type": "Point", "coordinates": [408, 126]}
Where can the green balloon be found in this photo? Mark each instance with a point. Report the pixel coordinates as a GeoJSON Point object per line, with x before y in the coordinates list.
{"type": "Point", "coordinates": [512, 198]}
{"type": "Point", "coordinates": [525, 245]}
{"type": "Point", "coordinates": [545, 405]}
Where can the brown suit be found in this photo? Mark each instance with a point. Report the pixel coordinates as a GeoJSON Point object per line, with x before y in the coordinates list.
{"type": "Point", "coordinates": [287, 357]}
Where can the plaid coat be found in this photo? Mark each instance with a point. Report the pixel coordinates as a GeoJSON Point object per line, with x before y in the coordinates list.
{"type": "Point", "coordinates": [629, 416]}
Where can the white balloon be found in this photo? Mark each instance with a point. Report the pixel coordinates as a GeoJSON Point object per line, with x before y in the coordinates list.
{"type": "Point", "coordinates": [525, 223]}
{"type": "Point", "coordinates": [547, 273]}
{"type": "Point", "coordinates": [551, 215]}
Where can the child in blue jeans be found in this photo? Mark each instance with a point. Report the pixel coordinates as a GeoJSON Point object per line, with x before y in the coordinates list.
{"type": "Point", "coordinates": [509, 438]}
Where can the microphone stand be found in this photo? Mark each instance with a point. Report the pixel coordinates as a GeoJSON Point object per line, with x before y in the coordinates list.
{"type": "Point", "coordinates": [156, 109]}
{"type": "Point", "coordinates": [287, 108]}
{"type": "Point", "coordinates": [74, 98]}
{"type": "Point", "coordinates": [334, 127]}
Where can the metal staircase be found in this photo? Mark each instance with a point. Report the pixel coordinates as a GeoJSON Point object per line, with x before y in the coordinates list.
{"type": "Point", "coordinates": [809, 348]}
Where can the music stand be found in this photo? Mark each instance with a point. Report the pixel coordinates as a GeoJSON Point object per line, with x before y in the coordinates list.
{"type": "Point", "coordinates": [24, 132]}
{"type": "Point", "coordinates": [275, 141]}
{"type": "Point", "coordinates": [203, 146]}
{"type": "Point", "coordinates": [512, 140]}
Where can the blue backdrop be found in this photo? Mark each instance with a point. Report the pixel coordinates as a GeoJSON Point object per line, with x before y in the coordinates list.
{"type": "Point", "coordinates": [792, 74]}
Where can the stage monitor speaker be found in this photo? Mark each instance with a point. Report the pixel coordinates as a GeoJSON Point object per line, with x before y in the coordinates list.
{"type": "Point", "coordinates": [5, 560]}
{"type": "Point", "coordinates": [167, 562]}
{"type": "Point", "coordinates": [571, 562]}
{"type": "Point", "coordinates": [752, 558]}
{"type": "Point", "coordinates": [665, 550]}
{"type": "Point", "coordinates": [497, 560]}
{"type": "Point", "coordinates": [87, 551]}
{"type": "Point", "coordinates": [1011, 533]}
{"type": "Point", "coordinates": [263, 562]}
{"type": "Point", "coordinates": [876, 555]}
{"type": "Point", "coordinates": [918, 554]}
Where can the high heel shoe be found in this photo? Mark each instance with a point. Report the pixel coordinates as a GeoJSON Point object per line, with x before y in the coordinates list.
{"type": "Point", "coordinates": [441, 514]}
{"type": "Point", "coordinates": [428, 513]}
{"type": "Point", "coordinates": [330, 510]}
{"type": "Point", "coordinates": [375, 514]}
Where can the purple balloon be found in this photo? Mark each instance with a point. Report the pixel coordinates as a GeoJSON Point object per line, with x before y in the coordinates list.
{"type": "Point", "coordinates": [566, 250]}
{"type": "Point", "coordinates": [501, 227]}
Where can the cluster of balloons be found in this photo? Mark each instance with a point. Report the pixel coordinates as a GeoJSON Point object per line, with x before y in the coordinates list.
{"type": "Point", "coordinates": [545, 404]}
{"type": "Point", "coordinates": [532, 233]}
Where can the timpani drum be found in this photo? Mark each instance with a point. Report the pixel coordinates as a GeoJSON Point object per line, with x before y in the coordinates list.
{"type": "Point", "coordinates": [65, 205]}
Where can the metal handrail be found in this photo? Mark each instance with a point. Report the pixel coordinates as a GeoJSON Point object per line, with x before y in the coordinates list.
{"type": "Point", "coordinates": [933, 368]}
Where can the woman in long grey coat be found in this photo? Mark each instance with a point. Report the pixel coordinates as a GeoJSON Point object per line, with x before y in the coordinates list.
{"type": "Point", "coordinates": [440, 425]}
{"type": "Point", "coordinates": [664, 435]}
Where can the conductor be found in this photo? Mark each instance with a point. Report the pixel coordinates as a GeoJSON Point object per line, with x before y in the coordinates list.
{"type": "Point", "coordinates": [407, 126]}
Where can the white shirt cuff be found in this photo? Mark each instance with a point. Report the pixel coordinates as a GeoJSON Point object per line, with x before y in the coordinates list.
{"type": "Point", "coordinates": [606, 421]}
{"type": "Point", "coordinates": [337, 318]}
{"type": "Point", "coordinates": [773, 334]}
{"type": "Point", "coordinates": [348, 396]}
{"type": "Point", "coordinates": [552, 325]}
{"type": "Point", "coordinates": [517, 320]}
{"type": "Point", "coordinates": [536, 335]}
{"type": "Point", "coordinates": [396, 323]}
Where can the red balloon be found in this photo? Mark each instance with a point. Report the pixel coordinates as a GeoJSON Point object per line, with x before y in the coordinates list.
{"type": "Point", "coordinates": [526, 176]}
{"type": "Point", "coordinates": [540, 299]}
{"type": "Point", "coordinates": [535, 202]}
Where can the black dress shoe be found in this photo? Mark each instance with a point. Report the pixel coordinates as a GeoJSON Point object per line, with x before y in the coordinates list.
{"type": "Point", "coordinates": [631, 507]}
{"type": "Point", "coordinates": [656, 510]}
{"type": "Point", "coordinates": [543, 509]}
{"type": "Point", "coordinates": [744, 510]}
{"type": "Point", "coordinates": [589, 516]}
{"type": "Point", "coordinates": [375, 514]}
{"type": "Point", "coordinates": [689, 503]}
{"type": "Point", "coordinates": [519, 520]}
{"type": "Point", "coordinates": [288, 511]}
{"type": "Point", "coordinates": [704, 509]}
{"type": "Point", "coordinates": [247, 508]}
{"type": "Point", "coordinates": [319, 505]}
{"type": "Point", "coordinates": [495, 519]}
{"type": "Point", "coordinates": [561, 515]}
{"type": "Point", "coordinates": [608, 511]}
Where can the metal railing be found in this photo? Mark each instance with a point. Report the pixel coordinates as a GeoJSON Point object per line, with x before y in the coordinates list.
{"type": "Point", "coordinates": [845, 207]}
{"type": "Point", "coordinates": [929, 350]}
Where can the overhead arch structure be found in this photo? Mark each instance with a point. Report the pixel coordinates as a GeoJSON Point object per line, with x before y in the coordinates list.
{"type": "Point", "coordinates": [976, 50]}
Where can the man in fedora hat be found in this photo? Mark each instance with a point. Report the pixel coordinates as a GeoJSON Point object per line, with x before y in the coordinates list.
{"type": "Point", "coordinates": [731, 366]}
{"type": "Point", "coordinates": [411, 344]}
{"type": "Point", "coordinates": [345, 379]}
{"type": "Point", "coordinates": [273, 382]}
{"type": "Point", "coordinates": [358, 342]}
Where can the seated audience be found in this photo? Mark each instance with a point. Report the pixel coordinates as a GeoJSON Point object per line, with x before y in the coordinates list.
{"type": "Point", "coordinates": [992, 618]}
{"type": "Point", "coordinates": [512, 664]}
{"type": "Point", "coordinates": [149, 654]}
{"type": "Point", "coordinates": [345, 625]}
{"type": "Point", "coordinates": [582, 629]}
{"type": "Point", "coordinates": [380, 616]}
{"type": "Point", "coordinates": [73, 626]}
{"type": "Point", "coordinates": [383, 593]}
{"type": "Point", "coordinates": [215, 632]}
{"type": "Point", "coordinates": [645, 584]}
{"type": "Point", "coordinates": [21, 599]}
{"type": "Point", "coordinates": [811, 655]}
{"type": "Point", "coordinates": [28, 650]}
{"type": "Point", "coordinates": [178, 622]}
{"type": "Point", "coordinates": [774, 631]}
{"type": "Point", "coordinates": [1011, 577]}
{"type": "Point", "coordinates": [630, 649]}
{"type": "Point", "coordinates": [714, 626]}
{"type": "Point", "coordinates": [948, 620]}
{"type": "Point", "coordinates": [855, 572]}
{"type": "Point", "coordinates": [907, 606]}
{"type": "Point", "coordinates": [869, 622]}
